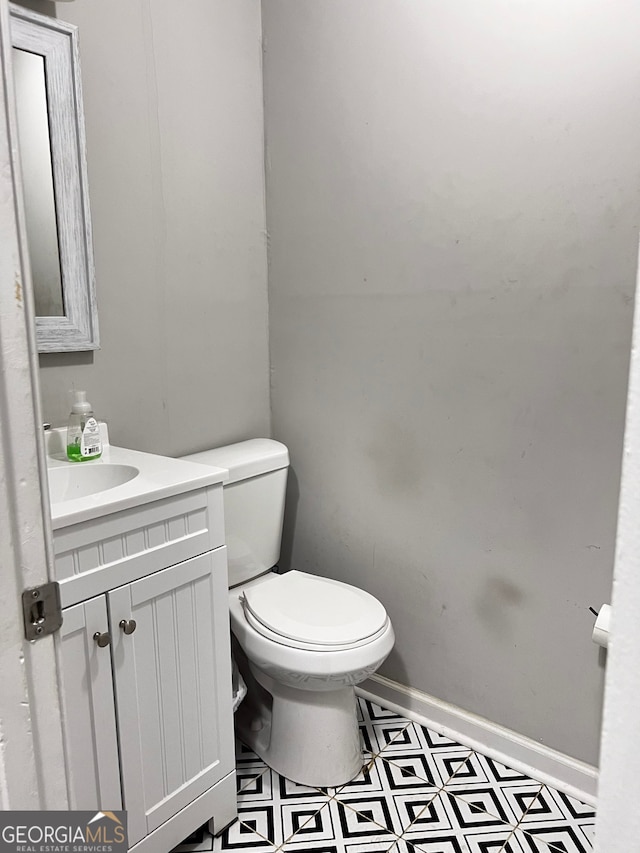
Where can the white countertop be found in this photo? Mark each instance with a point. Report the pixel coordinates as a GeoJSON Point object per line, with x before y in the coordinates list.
{"type": "Point", "coordinates": [159, 477]}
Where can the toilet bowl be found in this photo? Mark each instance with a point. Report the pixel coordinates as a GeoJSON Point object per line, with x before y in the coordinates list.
{"type": "Point", "coordinates": [301, 641]}
{"type": "Point", "coordinates": [303, 723]}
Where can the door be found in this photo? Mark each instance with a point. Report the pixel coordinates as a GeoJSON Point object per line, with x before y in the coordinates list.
{"type": "Point", "coordinates": [88, 708]}
{"type": "Point", "coordinates": [30, 718]}
{"type": "Point", "coordinates": [174, 701]}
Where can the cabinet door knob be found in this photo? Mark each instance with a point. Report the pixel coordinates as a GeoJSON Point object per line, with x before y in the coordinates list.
{"type": "Point", "coordinates": [128, 626]}
{"type": "Point", "coordinates": [102, 639]}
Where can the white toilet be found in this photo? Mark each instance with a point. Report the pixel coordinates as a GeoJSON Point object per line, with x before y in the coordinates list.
{"type": "Point", "coordinates": [301, 641]}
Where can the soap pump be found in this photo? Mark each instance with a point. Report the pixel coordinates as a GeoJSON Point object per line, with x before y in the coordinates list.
{"type": "Point", "coordinates": [83, 431]}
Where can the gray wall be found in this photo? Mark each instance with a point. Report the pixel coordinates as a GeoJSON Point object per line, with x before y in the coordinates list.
{"type": "Point", "coordinates": [453, 214]}
{"type": "Point", "coordinates": [174, 120]}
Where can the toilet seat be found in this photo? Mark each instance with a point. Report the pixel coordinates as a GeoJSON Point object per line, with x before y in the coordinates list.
{"type": "Point", "coordinates": [311, 647]}
{"type": "Point", "coordinates": [309, 612]}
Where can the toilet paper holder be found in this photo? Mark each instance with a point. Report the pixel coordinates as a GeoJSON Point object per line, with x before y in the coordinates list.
{"type": "Point", "coordinates": [602, 626]}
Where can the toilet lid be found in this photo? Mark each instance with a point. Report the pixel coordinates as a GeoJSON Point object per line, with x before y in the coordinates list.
{"type": "Point", "coordinates": [310, 609]}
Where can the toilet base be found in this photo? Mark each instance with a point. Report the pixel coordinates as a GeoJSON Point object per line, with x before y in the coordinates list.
{"type": "Point", "coordinates": [310, 737]}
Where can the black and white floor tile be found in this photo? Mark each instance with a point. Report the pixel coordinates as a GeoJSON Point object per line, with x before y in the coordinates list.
{"type": "Point", "coordinates": [418, 792]}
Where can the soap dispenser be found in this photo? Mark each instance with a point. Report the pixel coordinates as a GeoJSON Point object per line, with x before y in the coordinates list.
{"type": "Point", "coordinates": [83, 431]}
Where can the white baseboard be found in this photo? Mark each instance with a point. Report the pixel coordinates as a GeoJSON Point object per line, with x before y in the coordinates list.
{"type": "Point", "coordinates": [546, 765]}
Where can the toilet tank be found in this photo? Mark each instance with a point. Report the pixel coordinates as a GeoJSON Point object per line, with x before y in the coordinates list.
{"type": "Point", "coordinates": [254, 496]}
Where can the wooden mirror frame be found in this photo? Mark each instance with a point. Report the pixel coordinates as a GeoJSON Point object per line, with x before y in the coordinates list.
{"type": "Point", "coordinates": [57, 42]}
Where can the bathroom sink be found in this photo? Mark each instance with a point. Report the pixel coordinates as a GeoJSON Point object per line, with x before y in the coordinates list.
{"type": "Point", "coordinates": [121, 479]}
{"type": "Point", "coordinates": [81, 479]}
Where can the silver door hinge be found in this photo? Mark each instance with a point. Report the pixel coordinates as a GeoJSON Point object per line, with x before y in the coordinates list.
{"type": "Point", "coordinates": [41, 610]}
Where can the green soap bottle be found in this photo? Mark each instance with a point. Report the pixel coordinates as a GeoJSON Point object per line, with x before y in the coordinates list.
{"type": "Point", "coordinates": [83, 431]}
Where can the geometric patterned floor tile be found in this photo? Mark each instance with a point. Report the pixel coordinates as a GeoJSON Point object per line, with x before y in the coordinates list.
{"type": "Point", "coordinates": [459, 840]}
{"type": "Point", "coordinates": [588, 834]}
{"type": "Point", "coordinates": [545, 808]}
{"type": "Point", "coordinates": [393, 771]}
{"type": "Point", "coordinates": [572, 807]}
{"type": "Point", "coordinates": [556, 842]}
{"type": "Point", "coordinates": [253, 784]}
{"type": "Point", "coordinates": [446, 754]}
{"type": "Point", "coordinates": [510, 804]}
{"type": "Point", "coordinates": [343, 830]}
{"type": "Point", "coordinates": [470, 771]}
{"type": "Point", "coordinates": [367, 741]}
{"type": "Point", "coordinates": [337, 846]}
{"type": "Point", "coordinates": [379, 727]}
{"type": "Point", "coordinates": [241, 837]}
{"type": "Point", "coordinates": [403, 802]}
{"type": "Point", "coordinates": [450, 763]}
{"type": "Point", "coordinates": [277, 791]}
{"type": "Point", "coordinates": [280, 808]}
{"type": "Point", "coordinates": [406, 739]}
{"type": "Point", "coordinates": [301, 821]}
{"type": "Point", "coordinates": [486, 802]}
{"type": "Point", "coordinates": [409, 770]}
{"type": "Point", "coordinates": [497, 772]}
{"type": "Point", "coordinates": [412, 808]}
{"type": "Point", "coordinates": [443, 845]}
{"type": "Point", "coordinates": [500, 842]}
{"type": "Point", "coordinates": [487, 810]}
{"type": "Point", "coordinates": [261, 820]}
{"type": "Point", "coordinates": [446, 814]}
{"type": "Point", "coordinates": [553, 805]}
{"type": "Point", "coordinates": [434, 819]}
{"type": "Point", "coordinates": [480, 770]}
{"type": "Point", "coordinates": [246, 756]}
{"type": "Point", "coordinates": [249, 781]}
{"type": "Point", "coordinates": [375, 713]}
{"type": "Point", "coordinates": [556, 838]}
{"type": "Point", "coordinates": [521, 797]}
{"type": "Point", "coordinates": [390, 735]}
{"type": "Point", "coordinates": [380, 810]}
{"type": "Point", "coordinates": [418, 792]}
{"type": "Point", "coordinates": [560, 821]}
{"type": "Point", "coordinates": [200, 840]}
{"type": "Point", "coordinates": [433, 741]}
{"type": "Point", "coordinates": [288, 791]}
{"type": "Point", "coordinates": [369, 780]}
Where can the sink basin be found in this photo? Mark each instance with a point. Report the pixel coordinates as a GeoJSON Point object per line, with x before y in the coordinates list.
{"type": "Point", "coordinates": [121, 479]}
{"type": "Point", "coordinates": [79, 480]}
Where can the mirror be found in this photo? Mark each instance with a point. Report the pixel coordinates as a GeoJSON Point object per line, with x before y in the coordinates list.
{"type": "Point", "coordinates": [48, 94]}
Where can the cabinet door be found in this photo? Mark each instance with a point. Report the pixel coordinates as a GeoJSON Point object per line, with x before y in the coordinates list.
{"type": "Point", "coordinates": [173, 687]}
{"type": "Point", "coordinates": [88, 709]}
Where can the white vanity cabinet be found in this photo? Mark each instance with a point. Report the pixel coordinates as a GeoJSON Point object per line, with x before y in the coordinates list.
{"type": "Point", "coordinates": [146, 667]}
{"type": "Point", "coordinates": [93, 769]}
